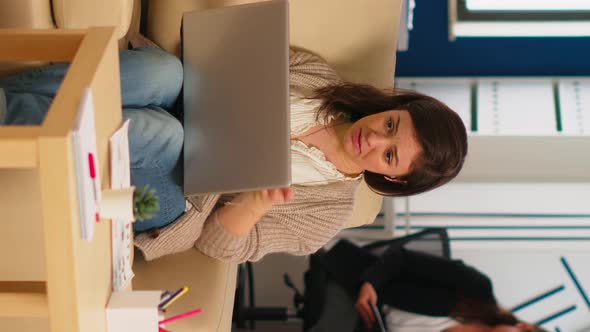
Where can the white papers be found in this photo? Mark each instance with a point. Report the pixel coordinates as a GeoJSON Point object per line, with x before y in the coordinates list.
{"type": "Point", "coordinates": [456, 93]}
{"type": "Point", "coordinates": [405, 26]}
{"type": "Point", "coordinates": [86, 163]}
{"type": "Point", "coordinates": [121, 229]}
{"type": "Point", "coordinates": [516, 107]}
{"type": "Point", "coordinates": [470, 198]}
{"type": "Point", "coordinates": [574, 102]}
{"type": "Point", "coordinates": [120, 164]}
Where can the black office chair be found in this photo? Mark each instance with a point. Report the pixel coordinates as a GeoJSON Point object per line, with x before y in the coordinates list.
{"type": "Point", "coordinates": [434, 241]}
{"type": "Point", "coordinates": [309, 305]}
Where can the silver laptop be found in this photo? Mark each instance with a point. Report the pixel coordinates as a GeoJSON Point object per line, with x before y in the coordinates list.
{"type": "Point", "coordinates": [236, 98]}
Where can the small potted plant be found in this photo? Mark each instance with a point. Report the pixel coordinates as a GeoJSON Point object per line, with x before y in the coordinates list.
{"type": "Point", "coordinates": [129, 204]}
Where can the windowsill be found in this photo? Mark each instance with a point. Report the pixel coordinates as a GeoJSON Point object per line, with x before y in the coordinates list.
{"type": "Point", "coordinates": [519, 29]}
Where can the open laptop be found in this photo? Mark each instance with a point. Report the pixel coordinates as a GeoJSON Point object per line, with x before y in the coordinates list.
{"type": "Point", "coordinates": [236, 98]}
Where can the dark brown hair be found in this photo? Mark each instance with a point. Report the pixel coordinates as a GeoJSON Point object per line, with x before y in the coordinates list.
{"type": "Point", "coordinates": [486, 313]}
{"type": "Point", "coordinates": [440, 132]}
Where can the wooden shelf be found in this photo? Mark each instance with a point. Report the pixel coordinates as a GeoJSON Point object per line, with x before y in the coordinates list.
{"type": "Point", "coordinates": [40, 209]}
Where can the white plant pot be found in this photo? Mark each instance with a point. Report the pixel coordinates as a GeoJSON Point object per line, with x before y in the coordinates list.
{"type": "Point", "coordinates": [117, 204]}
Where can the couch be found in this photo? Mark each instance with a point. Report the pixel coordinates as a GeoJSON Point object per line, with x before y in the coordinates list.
{"type": "Point", "coordinates": [358, 38]}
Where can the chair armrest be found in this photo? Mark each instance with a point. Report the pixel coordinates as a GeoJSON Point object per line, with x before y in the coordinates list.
{"type": "Point", "coordinates": [367, 206]}
{"type": "Point", "coordinates": [35, 14]}
{"type": "Point", "coordinates": [165, 17]}
{"type": "Point", "coordinates": [78, 14]}
{"type": "Point", "coordinates": [212, 285]}
{"type": "Point", "coordinates": [358, 38]}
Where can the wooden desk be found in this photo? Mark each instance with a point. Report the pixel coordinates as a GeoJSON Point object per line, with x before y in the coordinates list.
{"type": "Point", "coordinates": [50, 279]}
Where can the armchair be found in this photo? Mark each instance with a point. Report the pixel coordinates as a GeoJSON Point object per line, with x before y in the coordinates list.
{"type": "Point", "coordinates": [359, 39]}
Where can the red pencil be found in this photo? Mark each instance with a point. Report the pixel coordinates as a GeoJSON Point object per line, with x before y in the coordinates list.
{"type": "Point", "coordinates": [179, 317]}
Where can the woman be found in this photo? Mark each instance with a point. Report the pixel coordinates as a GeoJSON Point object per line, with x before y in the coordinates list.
{"type": "Point", "coordinates": [401, 144]}
{"type": "Point", "coordinates": [425, 292]}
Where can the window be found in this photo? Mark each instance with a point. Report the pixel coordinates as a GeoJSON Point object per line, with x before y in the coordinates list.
{"type": "Point", "coordinates": [519, 18]}
{"type": "Point", "coordinates": [526, 5]}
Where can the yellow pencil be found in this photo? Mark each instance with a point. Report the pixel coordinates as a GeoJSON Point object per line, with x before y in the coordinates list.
{"type": "Point", "coordinates": [175, 297]}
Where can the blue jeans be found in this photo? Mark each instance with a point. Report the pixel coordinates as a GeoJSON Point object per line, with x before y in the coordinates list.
{"type": "Point", "coordinates": [151, 81]}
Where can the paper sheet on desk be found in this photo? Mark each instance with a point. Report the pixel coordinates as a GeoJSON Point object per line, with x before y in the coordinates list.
{"type": "Point", "coordinates": [86, 159]}
{"type": "Point", "coordinates": [121, 229]}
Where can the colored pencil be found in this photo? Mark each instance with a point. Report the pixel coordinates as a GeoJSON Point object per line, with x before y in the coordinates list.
{"type": "Point", "coordinates": [179, 317]}
{"type": "Point", "coordinates": [179, 293]}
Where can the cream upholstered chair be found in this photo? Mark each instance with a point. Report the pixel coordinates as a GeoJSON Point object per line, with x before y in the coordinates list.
{"type": "Point", "coordinates": [64, 14]}
{"type": "Point", "coordinates": [358, 38]}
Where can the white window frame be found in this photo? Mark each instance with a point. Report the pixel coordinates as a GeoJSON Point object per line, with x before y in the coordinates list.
{"type": "Point", "coordinates": [459, 27]}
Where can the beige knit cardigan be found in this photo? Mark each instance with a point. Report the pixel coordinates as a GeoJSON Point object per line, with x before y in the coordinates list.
{"type": "Point", "coordinates": [299, 227]}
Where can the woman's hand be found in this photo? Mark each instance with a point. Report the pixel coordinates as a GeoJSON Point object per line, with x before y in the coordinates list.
{"type": "Point", "coordinates": [367, 298]}
{"type": "Point", "coordinates": [241, 214]}
{"type": "Point", "coordinates": [262, 200]}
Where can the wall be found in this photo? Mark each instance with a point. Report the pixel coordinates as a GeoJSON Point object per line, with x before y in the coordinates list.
{"type": "Point", "coordinates": [431, 54]}
{"type": "Point", "coordinates": [524, 274]}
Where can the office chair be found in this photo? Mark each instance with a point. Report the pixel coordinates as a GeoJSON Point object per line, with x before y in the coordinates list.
{"type": "Point", "coordinates": [308, 306]}
{"type": "Point", "coordinates": [434, 241]}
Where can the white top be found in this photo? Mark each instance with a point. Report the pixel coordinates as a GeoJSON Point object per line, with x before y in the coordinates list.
{"type": "Point", "coordinates": [403, 321]}
{"type": "Point", "coordinates": [309, 166]}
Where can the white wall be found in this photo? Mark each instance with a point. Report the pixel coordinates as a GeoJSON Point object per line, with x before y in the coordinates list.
{"type": "Point", "coordinates": [522, 274]}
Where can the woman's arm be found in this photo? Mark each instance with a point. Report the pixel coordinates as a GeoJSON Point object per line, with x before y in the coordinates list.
{"type": "Point", "coordinates": [308, 71]}
{"type": "Point", "coordinates": [423, 283]}
{"type": "Point", "coordinates": [237, 218]}
{"type": "Point", "coordinates": [398, 264]}
{"type": "Point", "coordinates": [181, 234]}
{"type": "Point", "coordinates": [299, 227]}
{"type": "Point", "coordinates": [241, 214]}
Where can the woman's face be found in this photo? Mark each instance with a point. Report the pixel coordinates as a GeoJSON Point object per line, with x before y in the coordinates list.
{"type": "Point", "coordinates": [383, 143]}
